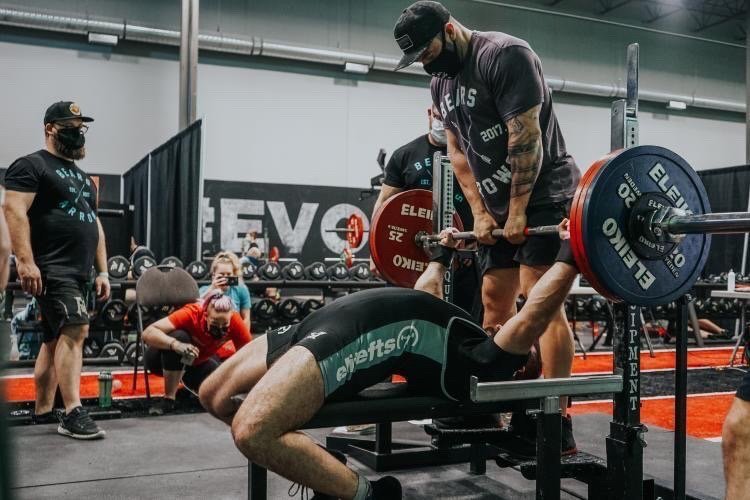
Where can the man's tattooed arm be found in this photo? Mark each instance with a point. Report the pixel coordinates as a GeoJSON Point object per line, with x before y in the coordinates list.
{"type": "Point", "coordinates": [524, 154]}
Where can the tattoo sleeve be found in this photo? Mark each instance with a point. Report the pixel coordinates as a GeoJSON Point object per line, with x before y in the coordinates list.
{"type": "Point", "coordinates": [524, 151]}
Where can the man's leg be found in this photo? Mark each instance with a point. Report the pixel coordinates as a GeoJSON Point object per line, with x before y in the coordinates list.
{"type": "Point", "coordinates": [735, 447]}
{"type": "Point", "coordinates": [542, 305]}
{"type": "Point", "coordinates": [236, 375]}
{"type": "Point", "coordinates": [68, 361]}
{"type": "Point", "coordinates": [45, 379]}
{"type": "Point", "coordinates": [499, 294]}
{"type": "Point", "coordinates": [264, 427]}
{"type": "Point", "coordinates": [557, 341]}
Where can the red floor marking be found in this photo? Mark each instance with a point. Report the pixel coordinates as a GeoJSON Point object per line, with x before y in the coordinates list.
{"type": "Point", "coordinates": [706, 412]}
{"type": "Point", "coordinates": [697, 358]}
{"type": "Point", "coordinates": [20, 389]}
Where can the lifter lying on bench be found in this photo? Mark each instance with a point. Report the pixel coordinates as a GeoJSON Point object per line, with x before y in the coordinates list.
{"type": "Point", "coordinates": [353, 343]}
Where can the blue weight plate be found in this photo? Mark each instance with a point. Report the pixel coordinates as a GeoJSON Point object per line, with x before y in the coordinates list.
{"type": "Point", "coordinates": [608, 242]}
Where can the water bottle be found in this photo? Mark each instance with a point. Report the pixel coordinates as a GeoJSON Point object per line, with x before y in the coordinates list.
{"type": "Point", "coordinates": [105, 389]}
{"type": "Point", "coordinates": [730, 280]}
{"type": "Point", "coordinates": [14, 353]}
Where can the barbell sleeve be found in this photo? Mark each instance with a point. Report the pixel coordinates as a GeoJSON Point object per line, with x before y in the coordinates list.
{"type": "Point", "coordinates": [714, 223]}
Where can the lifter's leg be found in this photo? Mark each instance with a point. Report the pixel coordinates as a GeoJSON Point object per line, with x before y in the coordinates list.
{"type": "Point", "coordinates": [542, 305]}
{"type": "Point", "coordinates": [264, 427]}
{"type": "Point", "coordinates": [557, 341]}
{"type": "Point", "coordinates": [735, 447]}
{"type": "Point", "coordinates": [236, 375]}
{"type": "Point", "coordinates": [499, 294]}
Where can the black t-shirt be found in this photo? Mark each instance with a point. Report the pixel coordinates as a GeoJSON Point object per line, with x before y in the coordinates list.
{"type": "Point", "coordinates": [410, 167]}
{"type": "Point", "coordinates": [64, 232]}
{"type": "Point", "coordinates": [502, 78]}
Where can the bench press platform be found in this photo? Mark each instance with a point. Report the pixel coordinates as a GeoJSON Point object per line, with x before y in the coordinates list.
{"type": "Point", "coordinates": [386, 403]}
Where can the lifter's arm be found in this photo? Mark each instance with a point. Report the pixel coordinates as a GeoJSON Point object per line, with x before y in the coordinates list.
{"type": "Point", "coordinates": [102, 278]}
{"type": "Point", "coordinates": [525, 158]}
{"type": "Point", "coordinates": [431, 280]}
{"type": "Point", "coordinates": [5, 246]}
{"type": "Point", "coordinates": [16, 209]}
{"type": "Point", "coordinates": [484, 223]}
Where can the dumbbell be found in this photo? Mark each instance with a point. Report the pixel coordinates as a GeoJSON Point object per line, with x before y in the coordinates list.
{"type": "Point", "coordinates": [293, 271]}
{"type": "Point", "coordinates": [143, 264]}
{"type": "Point", "coordinates": [91, 348]}
{"type": "Point", "coordinates": [580, 307]}
{"type": "Point", "coordinates": [311, 305]}
{"type": "Point", "coordinates": [113, 350]}
{"type": "Point", "coordinates": [172, 262]}
{"type": "Point", "coordinates": [264, 309]}
{"type": "Point", "coordinates": [597, 306]}
{"type": "Point", "coordinates": [337, 272]}
{"type": "Point", "coordinates": [197, 269]}
{"type": "Point", "coordinates": [360, 272]}
{"type": "Point", "coordinates": [130, 354]}
{"type": "Point", "coordinates": [290, 309]}
{"type": "Point", "coordinates": [270, 271]}
{"type": "Point", "coordinates": [248, 271]}
{"type": "Point", "coordinates": [118, 267]}
{"type": "Point", "coordinates": [113, 312]}
{"type": "Point", "coordinates": [316, 271]}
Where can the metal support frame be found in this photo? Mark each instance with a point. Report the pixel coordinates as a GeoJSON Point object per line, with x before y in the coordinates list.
{"type": "Point", "coordinates": [443, 209]}
{"type": "Point", "coordinates": [188, 63]}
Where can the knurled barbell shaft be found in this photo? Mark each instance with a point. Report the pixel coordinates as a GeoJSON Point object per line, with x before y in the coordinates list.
{"type": "Point", "coordinates": [496, 233]}
{"type": "Point", "coordinates": [715, 223]}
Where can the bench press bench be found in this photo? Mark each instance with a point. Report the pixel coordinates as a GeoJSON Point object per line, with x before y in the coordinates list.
{"type": "Point", "coordinates": [386, 403]}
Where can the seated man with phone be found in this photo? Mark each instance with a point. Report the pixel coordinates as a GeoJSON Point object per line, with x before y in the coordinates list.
{"type": "Point", "coordinates": [183, 345]}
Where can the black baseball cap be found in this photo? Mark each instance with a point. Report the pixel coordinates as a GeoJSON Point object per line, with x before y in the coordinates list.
{"type": "Point", "coordinates": [415, 28]}
{"type": "Point", "coordinates": [64, 110]}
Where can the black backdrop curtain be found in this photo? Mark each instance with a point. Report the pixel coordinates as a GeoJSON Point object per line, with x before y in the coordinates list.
{"type": "Point", "coordinates": [135, 192]}
{"type": "Point", "coordinates": [175, 195]}
{"type": "Point", "coordinates": [728, 192]}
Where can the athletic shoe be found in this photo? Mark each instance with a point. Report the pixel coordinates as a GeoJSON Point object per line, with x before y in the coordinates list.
{"type": "Point", "coordinates": [523, 427]}
{"type": "Point", "coordinates": [164, 405]}
{"type": "Point", "coordinates": [51, 417]}
{"type": "Point", "coordinates": [78, 424]}
{"type": "Point", "coordinates": [385, 488]}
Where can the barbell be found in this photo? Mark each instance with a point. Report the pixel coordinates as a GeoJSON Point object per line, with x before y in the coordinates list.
{"type": "Point", "coordinates": [354, 230]}
{"type": "Point", "coordinates": [640, 228]}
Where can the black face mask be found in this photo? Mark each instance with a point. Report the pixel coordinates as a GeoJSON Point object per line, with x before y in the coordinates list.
{"type": "Point", "coordinates": [217, 332]}
{"type": "Point", "coordinates": [447, 64]}
{"type": "Point", "coordinates": [71, 137]}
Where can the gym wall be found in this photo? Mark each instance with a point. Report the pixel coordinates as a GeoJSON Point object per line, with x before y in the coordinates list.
{"type": "Point", "coordinates": [272, 121]}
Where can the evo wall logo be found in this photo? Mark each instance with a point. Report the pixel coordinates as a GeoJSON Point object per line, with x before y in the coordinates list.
{"type": "Point", "coordinates": [377, 349]}
{"type": "Point", "coordinates": [296, 218]}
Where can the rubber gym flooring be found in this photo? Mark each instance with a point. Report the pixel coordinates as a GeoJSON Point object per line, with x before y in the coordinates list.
{"type": "Point", "coordinates": [192, 455]}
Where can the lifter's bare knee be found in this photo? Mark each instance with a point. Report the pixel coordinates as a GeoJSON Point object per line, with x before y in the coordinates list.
{"type": "Point", "coordinates": [252, 437]}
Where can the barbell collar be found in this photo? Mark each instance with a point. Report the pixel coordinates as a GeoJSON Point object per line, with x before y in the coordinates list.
{"type": "Point", "coordinates": [711, 223]}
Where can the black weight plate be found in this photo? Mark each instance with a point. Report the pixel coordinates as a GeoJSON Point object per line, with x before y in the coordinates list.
{"type": "Point", "coordinates": [360, 272]}
{"type": "Point", "coordinates": [118, 267]}
{"type": "Point", "coordinates": [264, 309]}
{"type": "Point", "coordinates": [316, 271]}
{"type": "Point", "coordinates": [270, 271]}
{"type": "Point", "coordinates": [607, 239]}
{"type": "Point", "coordinates": [293, 271]}
{"type": "Point", "coordinates": [172, 261]}
{"type": "Point", "coordinates": [113, 350]}
{"type": "Point", "coordinates": [311, 305]}
{"type": "Point", "coordinates": [143, 264]}
{"type": "Point", "coordinates": [248, 271]}
{"type": "Point", "coordinates": [197, 269]}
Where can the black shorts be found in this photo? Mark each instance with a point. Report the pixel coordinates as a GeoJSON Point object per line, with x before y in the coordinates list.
{"type": "Point", "coordinates": [351, 362]}
{"type": "Point", "coordinates": [743, 392]}
{"type": "Point", "coordinates": [64, 301]}
{"type": "Point", "coordinates": [536, 250]}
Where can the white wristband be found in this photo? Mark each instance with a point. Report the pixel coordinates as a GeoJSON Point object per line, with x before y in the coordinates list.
{"type": "Point", "coordinates": [103, 274]}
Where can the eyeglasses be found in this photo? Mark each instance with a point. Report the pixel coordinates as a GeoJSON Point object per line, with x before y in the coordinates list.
{"type": "Point", "coordinates": [82, 128]}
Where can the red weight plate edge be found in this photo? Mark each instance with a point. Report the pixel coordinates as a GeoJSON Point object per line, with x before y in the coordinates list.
{"type": "Point", "coordinates": [577, 211]}
{"type": "Point", "coordinates": [374, 225]}
{"type": "Point", "coordinates": [356, 232]}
